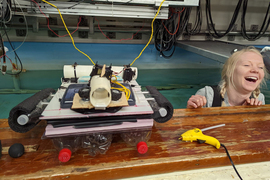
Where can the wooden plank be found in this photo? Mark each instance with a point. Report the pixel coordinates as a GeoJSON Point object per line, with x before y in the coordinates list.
{"type": "Point", "coordinates": [245, 134]}
{"type": "Point", "coordinates": [27, 148]}
{"type": "Point", "coordinates": [221, 110]}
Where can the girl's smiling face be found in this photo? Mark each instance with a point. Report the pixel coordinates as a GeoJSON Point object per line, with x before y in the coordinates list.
{"type": "Point", "coordinates": [248, 72]}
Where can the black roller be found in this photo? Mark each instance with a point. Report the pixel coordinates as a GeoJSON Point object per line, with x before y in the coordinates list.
{"type": "Point", "coordinates": [163, 103]}
{"type": "Point", "coordinates": [26, 107]}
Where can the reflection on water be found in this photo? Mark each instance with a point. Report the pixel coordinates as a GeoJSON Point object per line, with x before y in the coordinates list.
{"type": "Point", "coordinates": [177, 85]}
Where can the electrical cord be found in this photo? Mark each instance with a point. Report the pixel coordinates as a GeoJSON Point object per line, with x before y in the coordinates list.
{"type": "Point", "coordinates": [8, 14]}
{"type": "Point", "coordinates": [264, 26]}
{"type": "Point", "coordinates": [4, 55]}
{"type": "Point", "coordinates": [16, 55]}
{"type": "Point", "coordinates": [75, 4]}
{"type": "Point", "coordinates": [165, 40]}
{"type": "Point", "coordinates": [124, 89]}
{"type": "Point", "coordinates": [210, 24]}
{"type": "Point", "coordinates": [152, 32]}
{"type": "Point", "coordinates": [120, 3]}
{"type": "Point", "coordinates": [198, 22]}
{"type": "Point", "coordinates": [68, 30]}
{"type": "Point", "coordinates": [120, 39]}
{"type": "Point", "coordinates": [168, 56]}
{"type": "Point", "coordinates": [26, 25]}
{"type": "Point", "coordinates": [184, 21]}
{"type": "Point", "coordinates": [3, 49]}
{"type": "Point", "coordinates": [227, 152]}
{"type": "Point", "coordinates": [48, 22]}
{"type": "Point", "coordinates": [177, 24]}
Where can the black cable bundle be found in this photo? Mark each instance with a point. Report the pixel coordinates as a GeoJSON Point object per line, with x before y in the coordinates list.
{"type": "Point", "coordinates": [198, 22]}
{"type": "Point", "coordinates": [163, 40]}
{"type": "Point", "coordinates": [210, 24]}
{"type": "Point", "coordinates": [168, 31]}
{"type": "Point", "coordinates": [6, 14]}
{"type": "Point", "coordinates": [264, 26]}
{"type": "Point", "coordinates": [184, 18]}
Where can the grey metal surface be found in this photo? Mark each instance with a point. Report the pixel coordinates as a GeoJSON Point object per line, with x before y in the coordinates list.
{"type": "Point", "coordinates": [155, 2]}
{"type": "Point", "coordinates": [216, 50]}
{"type": "Point", "coordinates": [105, 10]}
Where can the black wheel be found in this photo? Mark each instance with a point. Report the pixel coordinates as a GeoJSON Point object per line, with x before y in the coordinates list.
{"type": "Point", "coordinates": [84, 93]}
{"type": "Point", "coordinates": [116, 94]}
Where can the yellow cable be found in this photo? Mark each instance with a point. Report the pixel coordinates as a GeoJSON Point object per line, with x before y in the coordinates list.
{"type": "Point", "coordinates": [152, 32]}
{"type": "Point", "coordinates": [68, 30]}
{"type": "Point", "coordinates": [152, 24]}
{"type": "Point", "coordinates": [124, 89]}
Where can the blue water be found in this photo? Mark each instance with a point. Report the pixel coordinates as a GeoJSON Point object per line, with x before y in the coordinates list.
{"type": "Point", "coordinates": [52, 56]}
{"type": "Point", "coordinates": [177, 85]}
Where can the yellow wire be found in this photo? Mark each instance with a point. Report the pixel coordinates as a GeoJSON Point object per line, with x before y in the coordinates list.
{"type": "Point", "coordinates": [126, 90]}
{"type": "Point", "coordinates": [152, 24]}
{"type": "Point", "coordinates": [68, 30]}
{"type": "Point", "coordinates": [152, 32]}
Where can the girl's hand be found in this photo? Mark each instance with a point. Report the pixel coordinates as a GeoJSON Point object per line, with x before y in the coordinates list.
{"type": "Point", "coordinates": [253, 102]}
{"type": "Point", "coordinates": [196, 101]}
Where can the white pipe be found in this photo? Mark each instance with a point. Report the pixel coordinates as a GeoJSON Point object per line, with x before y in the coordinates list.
{"type": "Point", "coordinates": [100, 93]}
{"type": "Point", "coordinates": [85, 70]}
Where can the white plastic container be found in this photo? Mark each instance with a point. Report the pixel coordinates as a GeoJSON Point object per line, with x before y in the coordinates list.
{"type": "Point", "coordinates": [100, 93]}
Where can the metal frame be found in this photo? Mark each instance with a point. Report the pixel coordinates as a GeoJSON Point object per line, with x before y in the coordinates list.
{"type": "Point", "coordinates": [112, 10]}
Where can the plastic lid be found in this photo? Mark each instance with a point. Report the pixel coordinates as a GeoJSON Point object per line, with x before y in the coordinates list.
{"type": "Point", "coordinates": [64, 155]}
{"type": "Point", "coordinates": [142, 147]}
{"type": "Point", "coordinates": [162, 112]}
{"type": "Point", "coordinates": [23, 119]}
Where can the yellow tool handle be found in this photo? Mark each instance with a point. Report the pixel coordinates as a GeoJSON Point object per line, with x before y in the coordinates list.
{"type": "Point", "coordinates": [197, 135]}
{"type": "Point", "coordinates": [209, 140]}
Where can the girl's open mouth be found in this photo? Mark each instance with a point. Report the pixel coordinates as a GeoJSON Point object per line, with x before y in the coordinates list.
{"type": "Point", "coordinates": [251, 79]}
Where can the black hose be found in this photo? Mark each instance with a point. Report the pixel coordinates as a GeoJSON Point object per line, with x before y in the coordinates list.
{"type": "Point", "coordinates": [198, 22]}
{"type": "Point", "coordinates": [264, 26]}
{"type": "Point", "coordinates": [210, 24]}
{"type": "Point", "coordinates": [168, 31]}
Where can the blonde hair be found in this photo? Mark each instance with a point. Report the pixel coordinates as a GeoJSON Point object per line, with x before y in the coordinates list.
{"type": "Point", "coordinates": [228, 70]}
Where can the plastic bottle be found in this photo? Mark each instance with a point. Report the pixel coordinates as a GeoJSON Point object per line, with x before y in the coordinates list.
{"type": "Point", "coordinates": [137, 138]}
{"type": "Point", "coordinates": [97, 143]}
{"type": "Point", "coordinates": [66, 146]}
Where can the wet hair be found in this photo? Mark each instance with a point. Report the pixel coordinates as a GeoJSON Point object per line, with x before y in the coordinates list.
{"type": "Point", "coordinates": [229, 67]}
